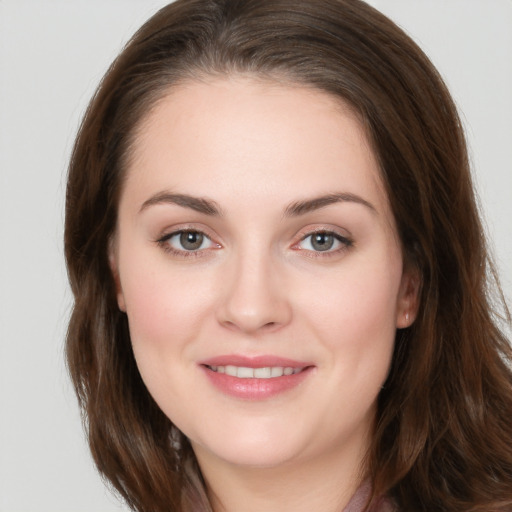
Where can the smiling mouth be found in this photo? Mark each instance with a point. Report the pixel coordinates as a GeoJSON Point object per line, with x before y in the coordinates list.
{"type": "Point", "coordinates": [266, 372]}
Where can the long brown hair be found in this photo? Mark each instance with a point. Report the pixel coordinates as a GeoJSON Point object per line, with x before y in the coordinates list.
{"type": "Point", "coordinates": [443, 434]}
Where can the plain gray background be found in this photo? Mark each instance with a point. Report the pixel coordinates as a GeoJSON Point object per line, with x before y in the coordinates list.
{"type": "Point", "coordinates": [52, 55]}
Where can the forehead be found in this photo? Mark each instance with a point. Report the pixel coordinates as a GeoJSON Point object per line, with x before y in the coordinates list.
{"type": "Point", "coordinates": [241, 134]}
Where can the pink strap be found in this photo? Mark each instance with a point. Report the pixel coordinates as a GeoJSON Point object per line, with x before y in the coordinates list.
{"type": "Point", "coordinates": [358, 501]}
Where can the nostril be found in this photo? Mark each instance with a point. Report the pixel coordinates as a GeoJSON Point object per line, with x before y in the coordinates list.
{"type": "Point", "coordinates": [252, 312]}
{"type": "Point", "coordinates": [270, 326]}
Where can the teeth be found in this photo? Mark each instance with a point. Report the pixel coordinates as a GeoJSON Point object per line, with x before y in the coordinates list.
{"type": "Point", "coordinates": [230, 370]}
{"type": "Point", "coordinates": [245, 373]}
{"type": "Point", "coordinates": [262, 373]}
{"type": "Point", "coordinates": [268, 372]}
{"type": "Point", "coordinates": [276, 372]}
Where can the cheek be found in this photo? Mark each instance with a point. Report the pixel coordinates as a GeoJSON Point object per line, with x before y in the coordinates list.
{"type": "Point", "coordinates": [355, 323]}
{"type": "Point", "coordinates": [164, 307]}
{"type": "Point", "coordinates": [357, 309]}
{"type": "Point", "coordinates": [166, 312]}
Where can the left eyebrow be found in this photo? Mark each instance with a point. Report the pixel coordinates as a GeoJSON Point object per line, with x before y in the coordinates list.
{"type": "Point", "coordinates": [302, 207]}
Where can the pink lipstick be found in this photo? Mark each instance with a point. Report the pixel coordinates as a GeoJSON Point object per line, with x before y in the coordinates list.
{"type": "Point", "coordinates": [255, 378]}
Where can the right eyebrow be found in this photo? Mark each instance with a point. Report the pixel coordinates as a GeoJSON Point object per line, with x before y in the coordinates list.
{"type": "Point", "coordinates": [199, 204]}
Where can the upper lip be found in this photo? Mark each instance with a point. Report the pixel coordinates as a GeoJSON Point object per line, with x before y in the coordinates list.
{"type": "Point", "coordinates": [261, 361]}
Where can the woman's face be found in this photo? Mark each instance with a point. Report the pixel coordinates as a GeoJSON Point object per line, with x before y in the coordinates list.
{"type": "Point", "coordinates": [258, 262]}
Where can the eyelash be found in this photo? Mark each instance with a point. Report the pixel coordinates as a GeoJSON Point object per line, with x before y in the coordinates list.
{"type": "Point", "coordinates": [345, 244]}
{"type": "Point", "coordinates": [163, 242]}
{"type": "Point", "coordinates": [184, 253]}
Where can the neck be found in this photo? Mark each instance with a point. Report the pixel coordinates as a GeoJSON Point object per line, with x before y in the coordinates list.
{"type": "Point", "coordinates": [304, 485]}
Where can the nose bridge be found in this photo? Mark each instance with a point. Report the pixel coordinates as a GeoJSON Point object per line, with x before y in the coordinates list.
{"type": "Point", "coordinates": [253, 298]}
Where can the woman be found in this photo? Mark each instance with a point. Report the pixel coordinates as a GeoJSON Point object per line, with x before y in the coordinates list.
{"type": "Point", "coordinates": [280, 276]}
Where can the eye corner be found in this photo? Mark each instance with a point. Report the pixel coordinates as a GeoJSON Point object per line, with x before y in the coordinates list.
{"type": "Point", "coordinates": [198, 244]}
{"type": "Point", "coordinates": [328, 242]}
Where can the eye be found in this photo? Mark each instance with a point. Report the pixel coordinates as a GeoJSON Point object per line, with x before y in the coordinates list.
{"type": "Point", "coordinates": [324, 241]}
{"type": "Point", "coordinates": [186, 241]}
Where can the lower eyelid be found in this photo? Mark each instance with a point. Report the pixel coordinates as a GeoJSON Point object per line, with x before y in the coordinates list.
{"type": "Point", "coordinates": [344, 243]}
{"type": "Point", "coordinates": [343, 240]}
{"type": "Point", "coordinates": [164, 242]}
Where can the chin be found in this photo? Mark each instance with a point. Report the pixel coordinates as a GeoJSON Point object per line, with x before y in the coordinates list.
{"type": "Point", "coordinates": [254, 448]}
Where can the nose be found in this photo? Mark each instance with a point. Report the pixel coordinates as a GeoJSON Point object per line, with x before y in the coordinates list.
{"type": "Point", "coordinates": [254, 298]}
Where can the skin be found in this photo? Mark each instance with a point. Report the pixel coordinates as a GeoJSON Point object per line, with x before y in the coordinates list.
{"type": "Point", "coordinates": [258, 286]}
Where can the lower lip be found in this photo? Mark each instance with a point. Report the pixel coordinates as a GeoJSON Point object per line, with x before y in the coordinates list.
{"type": "Point", "coordinates": [255, 389]}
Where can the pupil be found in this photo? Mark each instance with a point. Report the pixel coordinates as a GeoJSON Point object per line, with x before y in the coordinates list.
{"type": "Point", "coordinates": [322, 241]}
{"type": "Point", "coordinates": [191, 240]}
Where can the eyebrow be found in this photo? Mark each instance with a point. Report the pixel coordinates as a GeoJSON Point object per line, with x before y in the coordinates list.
{"type": "Point", "coordinates": [199, 204]}
{"type": "Point", "coordinates": [302, 207]}
{"type": "Point", "coordinates": [298, 208]}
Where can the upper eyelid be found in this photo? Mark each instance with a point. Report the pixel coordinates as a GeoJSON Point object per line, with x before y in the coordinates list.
{"type": "Point", "coordinates": [340, 238]}
{"type": "Point", "coordinates": [164, 243]}
{"type": "Point", "coordinates": [327, 231]}
{"type": "Point", "coordinates": [164, 240]}
{"type": "Point", "coordinates": [174, 233]}
{"type": "Point", "coordinates": [345, 240]}
{"type": "Point", "coordinates": [169, 232]}
{"type": "Point", "coordinates": [341, 234]}
{"type": "Point", "coordinates": [179, 233]}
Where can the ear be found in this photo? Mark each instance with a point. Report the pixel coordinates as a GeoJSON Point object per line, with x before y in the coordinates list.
{"type": "Point", "coordinates": [114, 268]}
{"type": "Point", "coordinates": [408, 297]}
